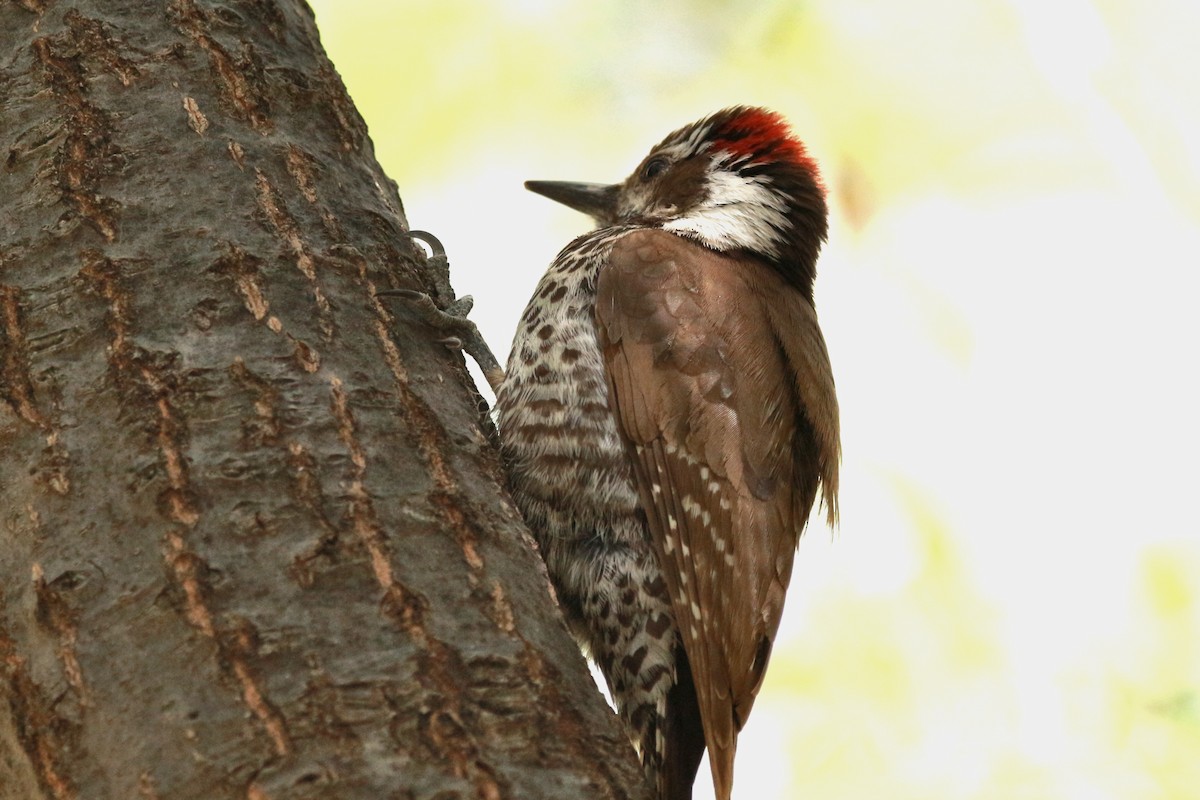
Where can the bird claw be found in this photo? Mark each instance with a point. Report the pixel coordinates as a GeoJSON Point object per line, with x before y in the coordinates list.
{"type": "Point", "coordinates": [448, 315]}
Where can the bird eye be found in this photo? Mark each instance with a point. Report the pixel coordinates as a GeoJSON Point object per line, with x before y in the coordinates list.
{"type": "Point", "coordinates": [655, 167]}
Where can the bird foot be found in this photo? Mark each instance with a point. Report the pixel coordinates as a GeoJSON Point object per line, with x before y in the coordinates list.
{"type": "Point", "coordinates": [447, 314]}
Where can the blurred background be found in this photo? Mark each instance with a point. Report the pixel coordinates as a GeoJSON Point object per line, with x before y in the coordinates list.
{"type": "Point", "coordinates": [1011, 606]}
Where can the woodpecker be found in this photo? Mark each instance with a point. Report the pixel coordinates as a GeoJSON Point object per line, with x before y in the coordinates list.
{"type": "Point", "coordinates": [668, 417]}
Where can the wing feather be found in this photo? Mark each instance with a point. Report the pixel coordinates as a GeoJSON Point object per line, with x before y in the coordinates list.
{"type": "Point", "coordinates": [721, 385]}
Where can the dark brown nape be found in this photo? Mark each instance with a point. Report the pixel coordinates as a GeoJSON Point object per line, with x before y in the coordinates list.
{"type": "Point", "coordinates": [810, 225]}
{"type": "Point", "coordinates": [684, 734]}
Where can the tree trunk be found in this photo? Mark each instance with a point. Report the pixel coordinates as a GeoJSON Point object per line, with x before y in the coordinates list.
{"type": "Point", "coordinates": [253, 536]}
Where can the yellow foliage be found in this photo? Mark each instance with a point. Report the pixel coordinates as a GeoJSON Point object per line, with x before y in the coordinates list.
{"type": "Point", "coordinates": [1009, 294]}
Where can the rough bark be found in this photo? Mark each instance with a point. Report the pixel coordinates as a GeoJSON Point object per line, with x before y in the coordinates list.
{"type": "Point", "coordinates": [253, 538]}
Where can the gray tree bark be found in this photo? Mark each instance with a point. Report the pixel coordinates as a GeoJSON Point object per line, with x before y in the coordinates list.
{"type": "Point", "coordinates": [254, 541]}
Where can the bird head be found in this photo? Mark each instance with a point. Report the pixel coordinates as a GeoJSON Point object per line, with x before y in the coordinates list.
{"type": "Point", "coordinates": [736, 180]}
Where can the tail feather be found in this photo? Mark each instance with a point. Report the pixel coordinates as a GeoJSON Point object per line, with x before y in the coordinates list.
{"type": "Point", "coordinates": [684, 739]}
{"type": "Point", "coordinates": [721, 764]}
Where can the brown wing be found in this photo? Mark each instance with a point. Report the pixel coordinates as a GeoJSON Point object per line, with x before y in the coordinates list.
{"type": "Point", "coordinates": [721, 384]}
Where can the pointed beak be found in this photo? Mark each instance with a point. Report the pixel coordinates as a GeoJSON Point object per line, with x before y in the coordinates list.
{"type": "Point", "coordinates": [597, 200]}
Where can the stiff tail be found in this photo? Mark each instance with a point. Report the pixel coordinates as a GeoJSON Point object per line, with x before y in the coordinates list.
{"type": "Point", "coordinates": [684, 739]}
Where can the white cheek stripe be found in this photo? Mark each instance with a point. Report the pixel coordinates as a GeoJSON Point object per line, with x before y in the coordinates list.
{"type": "Point", "coordinates": [741, 213]}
